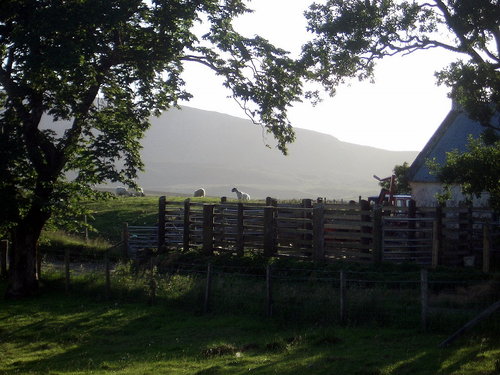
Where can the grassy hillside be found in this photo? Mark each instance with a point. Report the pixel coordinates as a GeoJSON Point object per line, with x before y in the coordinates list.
{"type": "Point", "coordinates": [190, 148]}
{"type": "Point", "coordinates": [108, 217]}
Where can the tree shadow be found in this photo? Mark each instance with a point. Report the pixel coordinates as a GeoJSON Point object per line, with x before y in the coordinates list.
{"type": "Point", "coordinates": [110, 336]}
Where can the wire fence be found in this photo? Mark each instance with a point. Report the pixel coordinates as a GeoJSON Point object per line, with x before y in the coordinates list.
{"type": "Point", "coordinates": [429, 299]}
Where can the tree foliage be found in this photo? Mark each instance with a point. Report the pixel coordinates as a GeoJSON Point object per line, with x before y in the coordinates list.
{"type": "Point", "coordinates": [351, 35]}
{"type": "Point", "coordinates": [100, 69]}
{"type": "Point", "coordinates": [477, 170]}
{"type": "Point", "coordinates": [402, 185]}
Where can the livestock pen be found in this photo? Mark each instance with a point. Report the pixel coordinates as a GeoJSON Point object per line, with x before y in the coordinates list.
{"type": "Point", "coordinates": [321, 230]}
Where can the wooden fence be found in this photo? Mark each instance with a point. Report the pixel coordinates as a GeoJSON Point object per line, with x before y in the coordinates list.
{"type": "Point", "coordinates": [319, 230]}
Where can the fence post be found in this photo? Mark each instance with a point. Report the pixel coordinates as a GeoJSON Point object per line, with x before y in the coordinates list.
{"type": "Point", "coordinates": [465, 228]}
{"type": "Point", "coordinates": [66, 270]}
{"type": "Point", "coordinates": [486, 247]}
{"type": "Point", "coordinates": [471, 323]}
{"type": "Point", "coordinates": [377, 236]}
{"type": "Point", "coordinates": [4, 249]}
{"type": "Point", "coordinates": [436, 243]}
{"type": "Point", "coordinates": [436, 246]}
{"type": "Point", "coordinates": [269, 231]}
{"type": "Point", "coordinates": [306, 238]}
{"type": "Point", "coordinates": [186, 233]}
{"type": "Point", "coordinates": [319, 231]}
{"type": "Point", "coordinates": [437, 236]}
{"type": "Point", "coordinates": [424, 297]}
{"type": "Point", "coordinates": [125, 236]}
{"type": "Point", "coordinates": [364, 207]}
{"type": "Point", "coordinates": [240, 227]}
{"type": "Point", "coordinates": [271, 202]}
{"type": "Point", "coordinates": [162, 203]}
{"type": "Point", "coordinates": [208, 289]}
{"type": "Point", "coordinates": [269, 292]}
{"type": "Point", "coordinates": [152, 282]}
{"type": "Point", "coordinates": [343, 297]}
{"type": "Point", "coordinates": [412, 214]}
{"type": "Point", "coordinates": [470, 227]}
{"type": "Point", "coordinates": [108, 275]}
{"type": "Point", "coordinates": [208, 229]}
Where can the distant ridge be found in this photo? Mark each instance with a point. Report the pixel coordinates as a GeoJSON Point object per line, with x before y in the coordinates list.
{"type": "Point", "coordinates": [191, 148]}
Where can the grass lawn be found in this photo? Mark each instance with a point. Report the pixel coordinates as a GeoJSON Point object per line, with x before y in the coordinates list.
{"type": "Point", "coordinates": [81, 333]}
{"type": "Point", "coordinates": [77, 334]}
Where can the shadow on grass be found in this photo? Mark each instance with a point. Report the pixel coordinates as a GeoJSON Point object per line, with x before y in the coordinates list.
{"type": "Point", "coordinates": [57, 333]}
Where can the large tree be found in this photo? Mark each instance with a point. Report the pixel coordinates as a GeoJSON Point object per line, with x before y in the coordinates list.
{"type": "Point", "coordinates": [99, 69]}
{"type": "Point", "coordinates": [351, 35]}
{"type": "Point", "coordinates": [401, 185]}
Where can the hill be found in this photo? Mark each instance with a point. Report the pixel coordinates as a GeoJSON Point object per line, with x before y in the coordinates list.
{"type": "Point", "coordinates": [191, 148]}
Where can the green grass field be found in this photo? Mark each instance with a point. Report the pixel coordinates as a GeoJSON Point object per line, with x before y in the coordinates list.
{"type": "Point", "coordinates": [84, 333]}
{"type": "Point", "coordinates": [77, 334]}
{"type": "Point", "coordinates": [109, 216]}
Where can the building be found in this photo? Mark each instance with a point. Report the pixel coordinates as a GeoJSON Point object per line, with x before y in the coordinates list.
{"type": "Point", "coordinates": [452, 134]}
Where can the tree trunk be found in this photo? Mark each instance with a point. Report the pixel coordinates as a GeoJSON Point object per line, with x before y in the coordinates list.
{"type": "Point", "coordinates": [23, 277]}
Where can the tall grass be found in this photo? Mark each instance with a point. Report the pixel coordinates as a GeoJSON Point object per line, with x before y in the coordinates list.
{"type": "Point", "coordinates": [296, 299]}
{"type": "Point", "coordinates": [60, 239]}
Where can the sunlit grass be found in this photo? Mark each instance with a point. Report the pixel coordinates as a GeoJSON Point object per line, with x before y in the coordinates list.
{"type": "Point", "coordinates": [62, 239]}
{"type": "Point", "coordinates": [83, 332]}
{"type": "Point", "coordinates": [59, 334]}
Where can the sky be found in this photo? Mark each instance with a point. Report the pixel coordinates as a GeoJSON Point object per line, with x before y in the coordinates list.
{"type": "Point", "coordinates": [400, 111]}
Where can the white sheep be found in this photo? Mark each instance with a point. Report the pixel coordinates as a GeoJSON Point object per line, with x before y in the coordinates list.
{"type": "Point", "coordinates": [241, 195]}
{"type": "Point", "coordinates": [122, 191]}
{"type": "Point", "coordinates": [199, 193]}
{"type": "Point", "coordinates": [139, 192]}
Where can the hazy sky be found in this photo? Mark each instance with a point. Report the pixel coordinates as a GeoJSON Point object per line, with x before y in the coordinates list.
{"type": "Point", "coordinates": [400, 111]}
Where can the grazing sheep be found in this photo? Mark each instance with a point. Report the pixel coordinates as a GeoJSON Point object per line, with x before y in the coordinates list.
{"type": "Point", "coordinates": [139, 192]}
{"type": "Point", "coordinates": [122, 191]}
{"type": "Point", "coordinates": [241, 195]}
{"type": "Point", "coordinates": [199, 193]}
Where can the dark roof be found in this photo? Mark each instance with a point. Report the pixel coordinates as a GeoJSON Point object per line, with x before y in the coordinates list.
{"type": "Point", "coordinates": [452, 134]}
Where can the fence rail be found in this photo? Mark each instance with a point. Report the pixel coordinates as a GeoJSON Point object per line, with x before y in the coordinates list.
{"type": "Point", "coordinates": [318, 230]}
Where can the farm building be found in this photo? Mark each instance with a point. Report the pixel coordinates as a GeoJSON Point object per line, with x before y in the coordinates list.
{"type": "Point", "coordinates": [452, 134]}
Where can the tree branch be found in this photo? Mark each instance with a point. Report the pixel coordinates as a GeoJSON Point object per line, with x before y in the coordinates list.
{"type": "Point", "coordinates": [496, 35]}
{"type": "Point", "coordinates": [430, 5]}
{"type": "Point", "coordinates": [9, 62]}
{"type": "Point", "coordinates": [70, 140]}
{"type": "Point", "coordinates": [199, 59]}
{"type": "Point", "coordinates": [465, 44]}
{"type": "Point", "coordinates": [35, 144]}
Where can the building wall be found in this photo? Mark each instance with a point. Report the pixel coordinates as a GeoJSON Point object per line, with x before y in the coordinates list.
{"type": "Point", "coordinates": [424, 194]}
{"type": "Point", "coordinates": [452, 136]}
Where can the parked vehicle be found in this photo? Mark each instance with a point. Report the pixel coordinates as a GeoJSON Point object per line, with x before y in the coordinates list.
{"type": "Point", "coordinates": [386, 199]}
